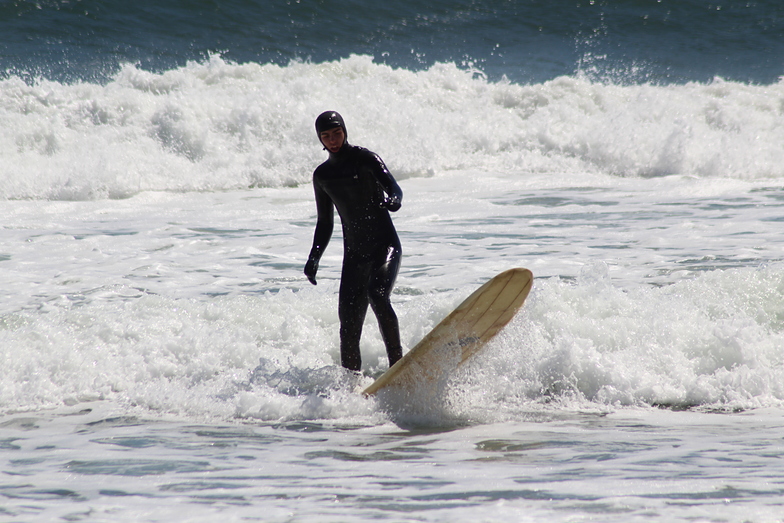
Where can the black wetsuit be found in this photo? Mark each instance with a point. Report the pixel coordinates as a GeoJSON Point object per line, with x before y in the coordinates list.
{"type": "Point", "coordinates": [357, 183]}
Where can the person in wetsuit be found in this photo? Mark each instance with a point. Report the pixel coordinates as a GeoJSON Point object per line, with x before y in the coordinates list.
{"type": "Point", "coordinates": [357, 183]}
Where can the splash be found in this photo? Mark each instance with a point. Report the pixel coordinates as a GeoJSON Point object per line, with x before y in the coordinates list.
{"type": "Point", "coordinates": [216, 125]}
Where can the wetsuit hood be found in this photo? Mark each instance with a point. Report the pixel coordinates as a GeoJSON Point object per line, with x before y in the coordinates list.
{"type": "Point", "coordinates": [329, 120]}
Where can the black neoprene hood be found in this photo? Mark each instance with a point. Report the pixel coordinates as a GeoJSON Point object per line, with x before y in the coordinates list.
{"type": "Point", "coordinates": [329, 120]}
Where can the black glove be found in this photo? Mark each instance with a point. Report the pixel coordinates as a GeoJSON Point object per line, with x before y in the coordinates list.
{"type": "Point", "coordinates": [311, 268]}
{"type": "Point", "coordinates": [391, 204]}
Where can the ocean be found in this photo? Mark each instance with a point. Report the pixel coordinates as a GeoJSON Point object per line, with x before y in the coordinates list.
{"type": "Point", "coordinates": [165, 359]}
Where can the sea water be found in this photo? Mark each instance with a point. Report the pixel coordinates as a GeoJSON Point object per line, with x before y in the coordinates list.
{"type": "Point", "coordinates": [165, 359]}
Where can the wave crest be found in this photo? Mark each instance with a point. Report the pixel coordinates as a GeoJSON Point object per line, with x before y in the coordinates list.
{"type": "Point", "coordinates": [216, 125]}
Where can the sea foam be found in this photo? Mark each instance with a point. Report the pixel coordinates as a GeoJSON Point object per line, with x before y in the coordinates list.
{"type": "Point", "coordinates": [216, 125]}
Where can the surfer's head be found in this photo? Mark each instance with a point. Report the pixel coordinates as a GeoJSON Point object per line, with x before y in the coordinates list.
{"type": "Point", "coordinates": [331, 131]}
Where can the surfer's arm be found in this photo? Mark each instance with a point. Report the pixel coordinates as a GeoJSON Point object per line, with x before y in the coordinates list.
{"type": "Point", "coordinates": [324, 226]}
{"type": "Point", "coordinates": [394, 194]}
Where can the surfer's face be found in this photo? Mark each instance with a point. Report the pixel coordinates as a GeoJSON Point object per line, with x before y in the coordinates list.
{"type": "Point", "coordinates": [333, 139]}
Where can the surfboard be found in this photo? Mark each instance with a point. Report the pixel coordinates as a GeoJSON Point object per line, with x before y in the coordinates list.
{"type": "Point", "coordinates": [463, 333]}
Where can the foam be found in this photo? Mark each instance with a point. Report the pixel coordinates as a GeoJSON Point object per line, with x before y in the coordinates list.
{"type": "Point", "coordinates": [712, 342]}
{"type": "Point", "coordinates": [216, 125]}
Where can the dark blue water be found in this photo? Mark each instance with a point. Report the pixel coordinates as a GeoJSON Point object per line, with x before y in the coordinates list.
{"type": "Point", "coordinates": [660, 41]}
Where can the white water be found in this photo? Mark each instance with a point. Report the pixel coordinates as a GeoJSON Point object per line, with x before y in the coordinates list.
{"type": "Point", "coordinates": [641, 296]}
{"type": "Point", "coordinates": [152, 249]}
{"type": "Point", "coordinates": [218, 126]}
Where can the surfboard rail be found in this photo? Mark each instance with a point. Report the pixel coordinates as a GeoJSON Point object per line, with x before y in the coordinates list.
{"type": "Point", "coordinates": [463, 333]}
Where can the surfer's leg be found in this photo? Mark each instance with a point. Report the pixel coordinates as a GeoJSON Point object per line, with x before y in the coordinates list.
{"type": "Point", "coordinates": [381, 284]}
{"type": "Point", "coordinates": [352, 307]}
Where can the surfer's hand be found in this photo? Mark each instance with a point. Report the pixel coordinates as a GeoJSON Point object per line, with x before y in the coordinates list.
{"type": "Point", "coordinates": [391, 204]}
{"type": "Point", "coordinates": [311, 268]}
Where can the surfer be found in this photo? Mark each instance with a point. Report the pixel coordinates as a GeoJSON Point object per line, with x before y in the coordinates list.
{"type": "Point", "coordinates": [357, 183]}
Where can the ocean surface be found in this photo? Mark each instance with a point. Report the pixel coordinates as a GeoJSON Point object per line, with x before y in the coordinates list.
{"type": "Point", "coordinates": [164, 358]}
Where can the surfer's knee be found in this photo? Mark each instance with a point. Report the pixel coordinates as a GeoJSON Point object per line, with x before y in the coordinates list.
{"type": "Point", "coordinates": [383, 310]}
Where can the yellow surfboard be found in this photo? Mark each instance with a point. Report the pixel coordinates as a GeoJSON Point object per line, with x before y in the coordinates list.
{"type": "Point", "coordinates": [461, 334]}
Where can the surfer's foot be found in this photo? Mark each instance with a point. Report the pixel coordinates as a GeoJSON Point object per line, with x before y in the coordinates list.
{"type": "Point", "coordinates": [394, 355]}
{"type": "Point", "coordinates": [354, 365]}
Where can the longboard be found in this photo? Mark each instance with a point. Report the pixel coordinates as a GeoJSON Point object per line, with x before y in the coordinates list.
{"type": "Point", "coordinates": [461, 334]}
